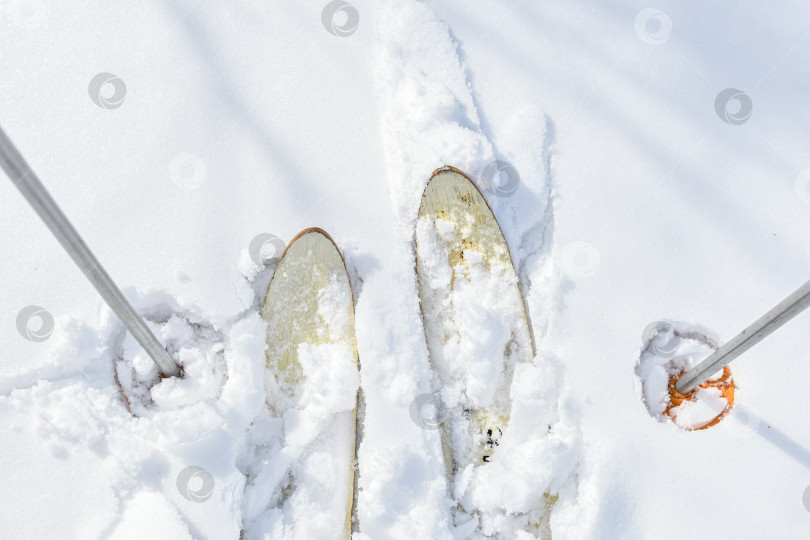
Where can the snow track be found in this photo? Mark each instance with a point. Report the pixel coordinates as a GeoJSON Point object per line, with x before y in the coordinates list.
{"type": "Point", "coordinates": [429, 119]}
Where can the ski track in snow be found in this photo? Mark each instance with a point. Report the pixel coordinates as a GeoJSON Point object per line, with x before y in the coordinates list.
{"type": "Point", "coordinates": [430, 118]}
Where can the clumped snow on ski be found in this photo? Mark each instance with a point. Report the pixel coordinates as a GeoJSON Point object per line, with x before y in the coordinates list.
{"type": "Point", "coordinates": [507, 453]}
{"type": "Point", "coordinates": [299, 452]}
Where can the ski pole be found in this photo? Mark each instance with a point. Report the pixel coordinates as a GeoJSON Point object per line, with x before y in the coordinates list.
{"type": "Point", "coordinates": [764, 326]}
{"type": "Point", "coordinates": [46, 208]}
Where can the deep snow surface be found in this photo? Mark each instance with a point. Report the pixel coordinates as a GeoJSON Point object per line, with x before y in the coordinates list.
{"type": "Point", "coordinates": [636, 203]}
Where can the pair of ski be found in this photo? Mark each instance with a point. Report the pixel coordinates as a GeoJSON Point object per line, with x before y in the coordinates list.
{"type": "Point", "coordinates": [461, 253]}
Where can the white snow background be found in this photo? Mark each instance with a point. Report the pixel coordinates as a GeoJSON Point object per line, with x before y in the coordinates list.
{"type": "Point", "coordinates": [637, 202]}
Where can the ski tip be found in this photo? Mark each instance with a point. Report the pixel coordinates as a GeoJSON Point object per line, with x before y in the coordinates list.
{"type": "Point", "coordinates": [316, 231]}
{"type": "Point", "coordinates": [310, 230]}
{"type": "Point", "coordinates": [446, 174]}
{"type": "Point", "coordinates": [448, 168]}
{"type": "Point", "coordinates": [305, 232]}
{"type": "Point", "coordinates": [324, 234]}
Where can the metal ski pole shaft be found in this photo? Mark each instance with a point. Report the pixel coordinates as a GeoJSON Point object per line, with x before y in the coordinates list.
{"type": "Point", "coordinates": [764, 326]}
{"type": "Point", "coordinates": [40, 200]}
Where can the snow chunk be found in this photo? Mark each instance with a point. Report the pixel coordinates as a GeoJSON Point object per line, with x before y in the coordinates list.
{"type": "Point", "coordinates": [331, 378]}
{"type": "Point", "coordinates": [150, 515]}
{"type": "Point", "coordinates": [194, 344]}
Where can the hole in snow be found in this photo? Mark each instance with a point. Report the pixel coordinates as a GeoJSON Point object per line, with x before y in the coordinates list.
{"type": "Point", "coordinates": [193, 343]}
{"type": "Point", "coordinates": [668, 351]}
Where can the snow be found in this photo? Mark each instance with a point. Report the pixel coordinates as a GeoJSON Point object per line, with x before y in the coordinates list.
{"type": "Point", "coordinates": [636, 202]}
{"type": "Point", "coordinates": [197, 348]}
{"type": "Point", "coordinates": [311, 442]}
